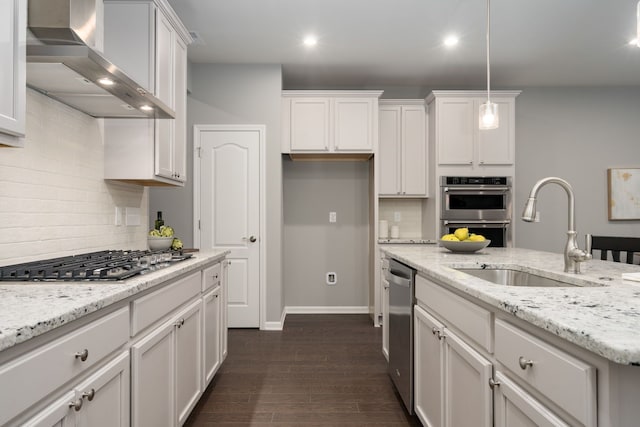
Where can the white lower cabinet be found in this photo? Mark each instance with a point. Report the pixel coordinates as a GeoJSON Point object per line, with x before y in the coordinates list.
{"type": "Point", "coordinates": [451, 379]}
{"type": "Point", "coordinates": [166, 377]}
{"type": "Point", "coordinates": [514, 407]}
{"type": "Point", "coordinates": [385, 318]}
{"type": "Point", "coordinates": [102, 400]}
{"type": "Point", "coordinates": [211, 334]}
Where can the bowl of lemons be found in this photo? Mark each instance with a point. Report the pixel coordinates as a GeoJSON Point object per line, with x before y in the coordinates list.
{"type": "Point", "coordinates": [463, 241]}
{"type": "Point", "coordinates": [163, 239]}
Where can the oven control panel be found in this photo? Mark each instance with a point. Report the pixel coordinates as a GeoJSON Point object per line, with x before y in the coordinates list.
{"type": "Point", "coordinates": [476, 180]}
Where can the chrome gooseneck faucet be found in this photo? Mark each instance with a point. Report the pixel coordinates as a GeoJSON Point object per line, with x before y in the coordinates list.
{"type": "Point", "coordinates": [573, 255]}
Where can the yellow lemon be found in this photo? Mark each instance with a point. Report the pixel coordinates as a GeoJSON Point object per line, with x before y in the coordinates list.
{"type": "Point", "coordinates": [461, 233]}
{"type": "Point", "coordinates": [477, 238]}
{"type": "Point", "coordinates": [449, 237]}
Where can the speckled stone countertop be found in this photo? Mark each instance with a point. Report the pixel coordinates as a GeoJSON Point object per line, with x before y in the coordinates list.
{"type": "Point", "coordinates": [408, 241]}
{"type": "Point", "coordinates": [603, 319]}
{"type": "Point", "coordinates": [29, 309]}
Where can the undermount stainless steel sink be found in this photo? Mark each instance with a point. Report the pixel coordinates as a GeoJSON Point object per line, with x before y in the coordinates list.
{"type": "Point", "coordinates": [510, 277]}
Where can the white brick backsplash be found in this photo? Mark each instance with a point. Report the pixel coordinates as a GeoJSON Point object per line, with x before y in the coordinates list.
{"type": "Point", "coordinates": [53, 198]}
{"type": "Point", "coordinates": [410, 210]}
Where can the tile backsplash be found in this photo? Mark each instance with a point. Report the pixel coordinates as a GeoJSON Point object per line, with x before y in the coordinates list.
{"type": "Point", "coordinates": [410, 211]}
{"type": "Point", "coordinates": [53, 198]}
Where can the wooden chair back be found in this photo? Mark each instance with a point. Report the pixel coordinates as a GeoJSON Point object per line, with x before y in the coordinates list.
{"type": "Point", "coordinates": [616, 245]}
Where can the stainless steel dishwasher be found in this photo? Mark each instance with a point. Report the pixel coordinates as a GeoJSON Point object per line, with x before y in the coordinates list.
{"type": "Point", "coordinates": [401, 299]}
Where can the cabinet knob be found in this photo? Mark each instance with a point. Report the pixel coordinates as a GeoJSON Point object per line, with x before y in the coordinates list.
{"type": "Point", "coordinates": [89, 394]}
{"type": "Point", "coordinates": [76, 404]}
{"type": "Point", "coordinates": [493, 383]}
{"type": "Point", "coordinates": [179, 323]}
{"type": "Point", "coordinates": [524, 363]}
{"type": "Point", "coordinates": [82, 355]}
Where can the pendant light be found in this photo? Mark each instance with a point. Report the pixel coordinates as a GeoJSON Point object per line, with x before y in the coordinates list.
{"type": "Point", "coordinates": [488, 118]}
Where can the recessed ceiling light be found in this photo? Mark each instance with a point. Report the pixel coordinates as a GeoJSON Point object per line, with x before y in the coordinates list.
{"type": "Point", "coordinates": [146, 108]}
{"type": "Point", "coordinates": [105, 81]}
{"type": "Point", "coordinates": [451, 41]}
{"type": "Point", "coordinates": [310, 41]}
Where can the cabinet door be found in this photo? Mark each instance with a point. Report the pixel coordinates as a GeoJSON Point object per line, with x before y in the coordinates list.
{"type": "Point", "coordinates": [496, 146]}
{"type": "Point", "coordinates": [12, 77]}
{"type": "Point", "coordinates": [164, 60]}
{"type": "Point", "coordinates": [353, 124]}
{"type": "Point", "coordinates": [164, 136]}
{"type": "Point", "coordinates": [429, 366]}
{"type": "Point", "coordinates": [455, 131]}
{"type": "Point", "coordinates": [152, 379]}
{"type": "Point", "coordinates": [414, 151]}
{"type": "Point", "coordinates": [188, 359]}
{"type": "Point", "coordinates": [224, 320]}
{"type": "Point", "coordinates": [180, 122]}
{"type": "Point", "coordinates": [58, 414]}
{"type": "Point", "coordinates": [105, 396]}
{"type": "Point", "coordinates": [468, 396]}
{"type": "Point", "coordinates": [514, 407]}
{"type": "Point", "coordinates": [385, 317]}
{"type": "Point", "coordinates": [211, 328]}
{"type": "Point", "coordinates": [310, 124]}
{"type": "Point", "coordinates": [389, 150]}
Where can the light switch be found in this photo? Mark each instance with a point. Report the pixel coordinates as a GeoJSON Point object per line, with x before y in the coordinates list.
{"type": "Point", "coordinates": [333, 216]}
{"type": "Point", "coordinates": [132, 216]}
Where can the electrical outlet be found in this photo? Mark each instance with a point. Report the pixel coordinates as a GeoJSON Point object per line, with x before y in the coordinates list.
{"type": "Point", "coordinates": [118, 219]}
{"type": "Point", "coordinates": [332, 278]}
{"type": "Point", "coordinates": [333, 217]}
{"type": "Point", "coordinates": [397, 216]}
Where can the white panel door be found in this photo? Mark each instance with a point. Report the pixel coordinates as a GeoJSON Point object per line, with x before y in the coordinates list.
{"type": "Point", "coordinates": [455, 131]}
{"type": "Point", "coordinates": [389, 150]}
{"type": "Point", "coordinates": [230, 215]}
{"type": "Point", "coordinates": [414, 151]}
{"type": "Point", "coordinates": [495, 146]}
{"type": "Point", "coordinates": [12, 75]}
{"type": "Point", "coordinates": [188, 360]}
{"type": "Point", "coordinates": [353, 130]}
{"type": "Point", "coordinates": [310, 124]}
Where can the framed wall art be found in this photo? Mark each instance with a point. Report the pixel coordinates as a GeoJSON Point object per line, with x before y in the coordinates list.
{"type": "Point", "coordinates": [623, 193]}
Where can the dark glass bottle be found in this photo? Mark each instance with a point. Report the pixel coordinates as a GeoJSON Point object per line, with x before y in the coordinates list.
{"type": "Point", "coordinates": [159, 221]}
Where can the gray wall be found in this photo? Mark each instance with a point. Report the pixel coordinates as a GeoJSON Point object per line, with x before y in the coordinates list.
{"type": "Point", "coordinates": [313, 246]}
{"type": "Point", "coordinates": [235, 94]}
{"type": "Point", "coordinates": [575, 134]}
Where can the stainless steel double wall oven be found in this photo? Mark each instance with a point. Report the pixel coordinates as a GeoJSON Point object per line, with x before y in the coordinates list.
{"type": "Point", "coordinates": [482, 204]}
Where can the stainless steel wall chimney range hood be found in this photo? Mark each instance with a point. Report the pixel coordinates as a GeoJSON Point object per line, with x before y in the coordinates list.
{"type": "Point", "coordinates": [62, 64]}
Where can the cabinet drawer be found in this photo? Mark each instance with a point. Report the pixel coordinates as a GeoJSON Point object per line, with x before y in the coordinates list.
{"type": "Point", "coordinates": [565, 380]}
{"type": "Point", "coordinates": [473, 321]}
{"type": "Point", "coordinates": [152, 307]}
{"type": "Point", "coordinates": [31, 377]}
{"type": "Point", "coordinates": [211, 277]}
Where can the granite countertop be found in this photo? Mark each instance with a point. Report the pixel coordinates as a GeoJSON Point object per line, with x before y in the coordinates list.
{"type": "Point", "coordinates": [404, 240]}
{"type": "Point", "coordinates": [603, 319]}
{"type": "Point", "coordinates": [29, 309]}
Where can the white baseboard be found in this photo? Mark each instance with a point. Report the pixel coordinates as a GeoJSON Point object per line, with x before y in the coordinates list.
{"type": "Point", "coordinates": [275, 326]}
{"type": "Point", "coordinates": [327, 310]}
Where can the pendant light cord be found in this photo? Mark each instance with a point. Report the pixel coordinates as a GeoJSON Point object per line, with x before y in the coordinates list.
{"type": "Point", "coordinates": [488, 50]}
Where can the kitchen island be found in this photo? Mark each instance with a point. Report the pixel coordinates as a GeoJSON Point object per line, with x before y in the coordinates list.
{"type": "Point", "coordinates": [548, 355]}
{"type": "Point", "coordinates": [139, 350]}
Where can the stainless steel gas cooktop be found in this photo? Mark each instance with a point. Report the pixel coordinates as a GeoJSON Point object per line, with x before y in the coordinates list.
{"type": "Point", "coordinates": [111, 265]}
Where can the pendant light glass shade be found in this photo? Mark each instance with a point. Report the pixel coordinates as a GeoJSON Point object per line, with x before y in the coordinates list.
{"type": "Point", "coordinates": [488, 115]}
{"type": "Point", "coordinates": [489, 118]}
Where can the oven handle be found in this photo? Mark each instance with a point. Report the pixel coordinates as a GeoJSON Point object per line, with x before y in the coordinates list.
{"type": "Point", "coordinates": [497, 189]}
{"type": "Point", "coordinates": [503, 223]}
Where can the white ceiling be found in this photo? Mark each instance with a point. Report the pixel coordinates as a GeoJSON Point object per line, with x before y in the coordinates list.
{"type": "Point", "coordinates": [364, 43]}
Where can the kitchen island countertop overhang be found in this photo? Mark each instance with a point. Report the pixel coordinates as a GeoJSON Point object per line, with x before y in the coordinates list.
{"type": "Point", "coordinates": [28, 309]}
{"type": "Point", "coordinates": [603, 318]}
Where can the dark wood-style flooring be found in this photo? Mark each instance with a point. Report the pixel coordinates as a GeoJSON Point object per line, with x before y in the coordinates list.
{"type": "Point", "coordinates": [320, 371]}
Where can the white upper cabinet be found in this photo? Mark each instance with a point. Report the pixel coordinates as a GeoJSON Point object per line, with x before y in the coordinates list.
{"type": "Point", "coordinates": [459, 143]}
{"type": "Point", "coordinates": [13, 32]}
{"type": "Point", "coordinates": [149, 42]}
{"type": "Point", "coordinates": [330, 121]}
{"type": "Point", "coordinates": [402, 148]}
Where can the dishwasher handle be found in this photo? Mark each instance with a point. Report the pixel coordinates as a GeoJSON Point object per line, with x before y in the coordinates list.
{"type": "Point", "coordinates": [400, 281]}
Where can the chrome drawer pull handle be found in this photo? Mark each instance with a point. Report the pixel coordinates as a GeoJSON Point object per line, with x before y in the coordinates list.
{"type": "Point", "coordinates": [493, 383]}
{"type": "Point", "coordinates": [82, 355]}
{"type": "Point", "coordinates": [434, 331]}
{"type": "Point", "coordinates": [76, 404]}
{"type": "Point", "coordinates": [524, 363]}
{"type": "Point", "coordinates": [89, 394]}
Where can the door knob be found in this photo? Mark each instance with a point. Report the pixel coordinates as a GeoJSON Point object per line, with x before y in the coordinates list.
{"type": "Point", "coordinates": [252, 239]}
